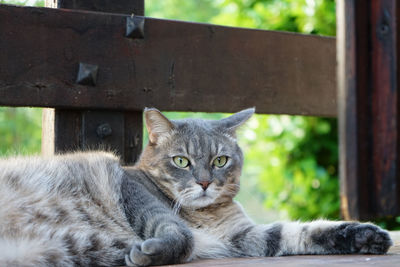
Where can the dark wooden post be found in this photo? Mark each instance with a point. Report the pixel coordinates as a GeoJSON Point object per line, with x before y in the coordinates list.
{"type": "Point", "coordinates": [68, 130]}
{"type": "Point", "coordinates": [368, 86]}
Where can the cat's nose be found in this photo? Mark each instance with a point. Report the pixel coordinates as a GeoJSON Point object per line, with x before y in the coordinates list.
{"type": "Point", "coordinates": [204, 184]}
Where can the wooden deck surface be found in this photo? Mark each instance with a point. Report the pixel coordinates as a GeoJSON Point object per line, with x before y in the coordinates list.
{"type": "Point", "coordinates": [392, 259]}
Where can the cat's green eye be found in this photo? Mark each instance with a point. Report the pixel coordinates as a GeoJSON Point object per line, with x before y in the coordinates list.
{"type": "Point", "coordinates": [181, 162]}
{"type": "Point", "coordinates": [220, 161]}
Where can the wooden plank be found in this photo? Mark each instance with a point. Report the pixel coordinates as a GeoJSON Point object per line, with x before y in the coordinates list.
{"type": "Point", "coordinates": [368, 108]}
{"type": "Point", "coordinates": [67, 130]}
{"type": "Point", "coordinates": [177, 66]}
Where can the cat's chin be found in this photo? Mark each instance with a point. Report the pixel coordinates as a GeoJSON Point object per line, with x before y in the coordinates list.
{"type": "Point", "coordinates": [202, 200]}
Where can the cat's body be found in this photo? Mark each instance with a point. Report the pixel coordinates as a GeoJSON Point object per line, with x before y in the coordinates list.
{"type": "Point", "coordinates": [173, 206]}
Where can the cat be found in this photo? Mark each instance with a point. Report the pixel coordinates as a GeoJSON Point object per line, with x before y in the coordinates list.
{"type": "Point", "coordinates": [175, 205]}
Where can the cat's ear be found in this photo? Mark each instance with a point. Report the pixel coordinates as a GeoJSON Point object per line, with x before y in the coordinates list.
{"type": "Point", "coordinates": [158, 126]}
{"type": "Point", "coordinates": [231, 123]}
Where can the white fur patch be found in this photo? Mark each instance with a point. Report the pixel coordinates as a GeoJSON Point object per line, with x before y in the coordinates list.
{"type": "Point", "coordinates": [208, 246]}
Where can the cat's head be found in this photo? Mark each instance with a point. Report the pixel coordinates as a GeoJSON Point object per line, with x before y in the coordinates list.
{"type": "Point", "coordinates": [196, 162]}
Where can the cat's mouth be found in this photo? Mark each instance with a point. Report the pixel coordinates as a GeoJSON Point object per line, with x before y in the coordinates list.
{"type": "Point", "coordinates": [202, 199]}
{"type": "Point", "coordinates": [205, 195]}
{"type": "Point", "coordinates": [196, 197]}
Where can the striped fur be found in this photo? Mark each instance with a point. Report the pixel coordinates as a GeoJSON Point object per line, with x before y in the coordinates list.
{"type": "Point", "coordinates": [84, 209]}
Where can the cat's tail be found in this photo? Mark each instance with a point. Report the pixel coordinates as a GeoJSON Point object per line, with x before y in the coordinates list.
{"type": "Point", "coordinates": [32, 252]}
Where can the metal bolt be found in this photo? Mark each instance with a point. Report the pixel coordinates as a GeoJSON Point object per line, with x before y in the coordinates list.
{"type": "Point", "coordinates": [87, 74]}
{"type": "Point", "coordinates": [384, 28]}
{"type": "Point", "coordinates": [104, 130]}
{"type": "Point", "coordinates": [135, 27]}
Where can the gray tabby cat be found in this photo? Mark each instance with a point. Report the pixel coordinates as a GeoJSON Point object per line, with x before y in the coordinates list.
{"type": "Point", "coordinates": [174, 205]}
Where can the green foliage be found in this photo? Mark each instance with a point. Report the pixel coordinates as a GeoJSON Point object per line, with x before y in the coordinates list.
{"type": "Point", "coordinates": [307, 16]}
{"type": "Point", "coordinates": [14, 2]}
{"type": "Point", "coordinates": [188, 10]}
{"type": "Point", "coordinates": [20, 130]}
{"type": "Point", "coordinates": [39, 3]}
{"type": "Point", "coordinates": [295, 159]}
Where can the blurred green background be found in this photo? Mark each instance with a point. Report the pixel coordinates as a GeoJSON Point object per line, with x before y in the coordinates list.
{"type": "Point", "coordinates": [291, 162]}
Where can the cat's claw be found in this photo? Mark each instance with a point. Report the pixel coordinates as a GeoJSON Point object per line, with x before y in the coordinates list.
{"type": "Point", "coordinates": [370, 239]}
{"type": "Point", "coordinates": [149, 252]}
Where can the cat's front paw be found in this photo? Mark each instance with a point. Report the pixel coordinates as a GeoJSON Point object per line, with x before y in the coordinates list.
{"type": "Point", "coordinates": [351, 238]}
{"type": "Point", "coordinates": [149, 252]}
{"type": "Point", "coordinates": [370, 239]}
{"type": "Point", "coordinates": [158, 251]}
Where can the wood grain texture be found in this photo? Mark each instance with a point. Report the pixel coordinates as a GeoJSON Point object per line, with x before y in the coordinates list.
{"type": "Point", "coordinates": [368, 36]}
{"type": "Point", "coordinates": [179, 66]}
{"type": "Point", "coordinates": [385, 106]}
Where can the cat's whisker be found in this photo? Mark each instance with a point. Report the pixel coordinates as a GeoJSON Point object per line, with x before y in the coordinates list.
{"type": "Point", "coordinates": [177, 204]}
{"type": "Point", "coordinates": [176, 208]}
{"type": "Point", "coordinates": [183, 195]}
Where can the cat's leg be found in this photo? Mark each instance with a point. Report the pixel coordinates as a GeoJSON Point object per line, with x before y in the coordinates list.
{"type": "Point", "coordinates": [167, 239]}
{"type": "Point", "coordinates": [327, 237]}
{"type": "Point", "coordinates": [317, 237]}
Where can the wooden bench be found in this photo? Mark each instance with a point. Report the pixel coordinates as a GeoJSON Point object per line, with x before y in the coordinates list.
{"type": "Point", "coordinates": [82, 63]}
